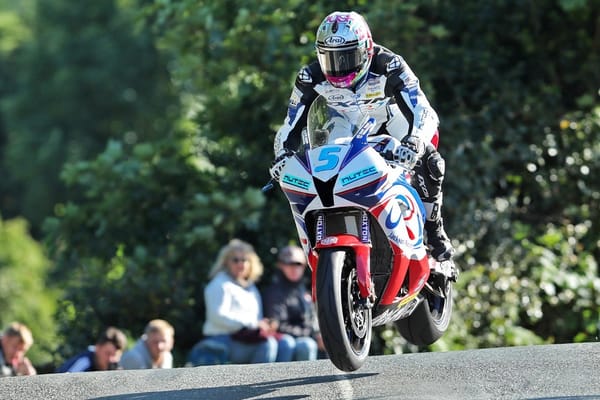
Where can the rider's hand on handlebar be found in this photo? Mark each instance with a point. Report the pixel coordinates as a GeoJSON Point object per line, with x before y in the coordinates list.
{"type": "Point", "coordinates": [403, 153]}
{"type": "Point", "coordinates": [410, 150]}
{"type": "Point", "coordinates": [413, 143]}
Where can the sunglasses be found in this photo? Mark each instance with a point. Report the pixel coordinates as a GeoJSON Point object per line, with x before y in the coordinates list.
{"type": "Point", "coordinates": [294, 264]}
{"type": "Point", "coordinates": [236, 260]}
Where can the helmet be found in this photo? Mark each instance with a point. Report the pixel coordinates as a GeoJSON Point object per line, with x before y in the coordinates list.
{"type": "Point", "coordinates": [344, 48]}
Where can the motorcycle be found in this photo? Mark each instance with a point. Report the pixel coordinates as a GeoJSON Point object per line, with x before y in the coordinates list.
{"type": "Point", "coordinates": [361, 224]}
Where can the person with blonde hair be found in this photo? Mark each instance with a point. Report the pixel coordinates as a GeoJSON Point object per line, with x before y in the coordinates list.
{"type": "Point", "coordinates": [153, 349]}
{"type": "Point", "coordinates": [234, 306]}
{"type": "Point", "coordinates": [14, 343]}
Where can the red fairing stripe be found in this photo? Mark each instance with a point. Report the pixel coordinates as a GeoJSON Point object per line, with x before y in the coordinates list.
{"type": "Point", "coordinates": [363, 259]}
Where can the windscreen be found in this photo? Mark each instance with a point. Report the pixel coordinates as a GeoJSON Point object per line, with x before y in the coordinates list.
{"type": "Point", "coordinates": [326, 125]}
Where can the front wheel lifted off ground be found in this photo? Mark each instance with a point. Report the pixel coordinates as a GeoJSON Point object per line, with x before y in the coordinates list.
{"type": "Point", "coordinates": [344, 320]}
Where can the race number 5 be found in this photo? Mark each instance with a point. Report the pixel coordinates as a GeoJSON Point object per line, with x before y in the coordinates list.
{"type": "Point", "coordinates": [328, 158]}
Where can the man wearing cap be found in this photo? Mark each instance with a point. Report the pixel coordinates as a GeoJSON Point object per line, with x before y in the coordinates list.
{"type": "Point", "coordinates": [287, 301]}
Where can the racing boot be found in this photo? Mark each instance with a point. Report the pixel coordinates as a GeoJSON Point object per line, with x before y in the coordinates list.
{"type": "Point", "coordinates": [428, 177]}
{"type": "Point", "coordinates": [437, 239]}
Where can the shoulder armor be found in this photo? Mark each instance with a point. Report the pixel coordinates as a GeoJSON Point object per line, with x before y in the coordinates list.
{"type": "Point", "coordinates": [304, 75]}
{"type": "Point", "coordinates": [396, 62]}
{"type": "Point", "coordinates": [311, 74]}
{"type": "Point", "coordinates": [386, 61]}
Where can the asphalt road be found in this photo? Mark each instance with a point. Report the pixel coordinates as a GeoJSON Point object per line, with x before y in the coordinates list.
{"type": "Point", "coordinates": [557, 372]}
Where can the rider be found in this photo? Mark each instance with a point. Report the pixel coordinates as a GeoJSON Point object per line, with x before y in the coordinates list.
{"type": "Point", "coordinates": [352, 69]}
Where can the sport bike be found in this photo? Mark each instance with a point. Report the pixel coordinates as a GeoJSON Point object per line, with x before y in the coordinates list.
{"type": "Point", "coordinates": [361, 223]}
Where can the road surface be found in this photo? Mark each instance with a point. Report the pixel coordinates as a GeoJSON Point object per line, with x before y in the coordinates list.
{"type": "Point", "coordinates": [549, 372]}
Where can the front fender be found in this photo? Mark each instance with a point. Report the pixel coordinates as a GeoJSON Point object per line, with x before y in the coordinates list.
{"type": "Point", "coordinates": [362, 253]}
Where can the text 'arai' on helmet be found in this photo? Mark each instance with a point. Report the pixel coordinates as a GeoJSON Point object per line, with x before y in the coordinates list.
{"type": "Point", "coordinates": [344, 48]}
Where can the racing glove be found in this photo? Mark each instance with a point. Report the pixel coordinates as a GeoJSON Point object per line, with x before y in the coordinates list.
{"type": "Point", "coordinates": [410, 150]}
{"type": "Point", "coordinates": [404, 153]}
{"type": "Point", "coordinates": [278, 164]}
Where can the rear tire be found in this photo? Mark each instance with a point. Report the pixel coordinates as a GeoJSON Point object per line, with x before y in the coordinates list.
{"type": "Point", "coordinates": [345, 322]}
{"type": "Point", "coordinates": [430, 320]}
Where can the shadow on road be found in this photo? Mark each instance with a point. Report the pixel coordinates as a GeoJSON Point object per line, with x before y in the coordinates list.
{"type": "Point", "coordinates": [238, 392]}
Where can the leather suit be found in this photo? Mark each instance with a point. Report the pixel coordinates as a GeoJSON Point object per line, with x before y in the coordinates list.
{"type": "Point", "coordinates": [391, 93]}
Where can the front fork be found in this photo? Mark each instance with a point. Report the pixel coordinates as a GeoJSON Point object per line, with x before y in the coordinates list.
{"type": "Point", "coordinates": [361, 245]}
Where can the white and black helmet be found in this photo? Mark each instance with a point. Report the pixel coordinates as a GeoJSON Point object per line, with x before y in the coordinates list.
{"type": "Point", "coordinates": [344, 48]}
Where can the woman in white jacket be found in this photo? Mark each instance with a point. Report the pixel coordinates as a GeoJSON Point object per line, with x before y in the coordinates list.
{"type": "Point", "coordinates": [233, 304]}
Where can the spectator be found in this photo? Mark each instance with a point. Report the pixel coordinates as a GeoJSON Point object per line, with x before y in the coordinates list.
{"type": "Point", "coordinates": [103, 356]}
{"type": "Point", "coordinates": [14, 343]}
{"type": "Point", "coordinates": [234, 306]}
{"type": "Point", "coordinates": [153, 349]}
{"type": "Point", "coordinates": [287, 301]}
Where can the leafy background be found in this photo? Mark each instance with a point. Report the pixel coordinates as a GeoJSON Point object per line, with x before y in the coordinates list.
{"type": "Point", "coordinates": [135, 136]}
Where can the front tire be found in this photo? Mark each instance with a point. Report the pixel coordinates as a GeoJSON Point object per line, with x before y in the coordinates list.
{"type": "Point", "coordinates": [430, 320]}
{"type": "Point", "coordinates": [344, 320]}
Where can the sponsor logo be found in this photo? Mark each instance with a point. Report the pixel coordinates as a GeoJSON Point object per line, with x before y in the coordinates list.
{"type": "Point", "coordinates": [423, 118]}
{"type": "Point", "coordinates": [320, 227]}
{"type": "Point", "coordinates": [295, 181]}
{"type": "Point", "coordinates": [394, 238]}
{"type": "Point", "coordinates": [295, 97]}
{"type": "Point", "coordinates": [329, 240]}
{"type": "Point", "coordinates": [423, 186]}
{"type": "Point", "coordinates": [392, 221]}
{"type": "Point", "coordinates": [398, 240]}
{"type": "Point", "coordinates": [335, 97]}
{"type": "Point", "coordinates": [373, 95]}
{"type": "Point", "coordinates": [364, 228]}
{"type": "Point", "coordinates": [334, 41]}
{"type": "Point", "coordinates": [374, 82]}
{"type": "Point", "coordinates": [338, 18]}
{"type": "Point", "coordinates": [355, 176]}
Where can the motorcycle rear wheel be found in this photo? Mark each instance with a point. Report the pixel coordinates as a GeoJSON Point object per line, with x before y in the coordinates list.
{"type": "Point", "coordinates": [344, 320]}
{"type": "Point", "coordinates": [430, 320]}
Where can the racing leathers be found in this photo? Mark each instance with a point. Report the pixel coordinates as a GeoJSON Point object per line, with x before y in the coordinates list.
{"type": "Point", "coordinates": [391, 93]}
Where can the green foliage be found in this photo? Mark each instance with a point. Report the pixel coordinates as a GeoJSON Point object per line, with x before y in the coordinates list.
{"type": "Point", "coordinates": [89, 73]}
{"type": "Point", "coordinates": [138, 221]}
{"type": "Point", "coordinates": [12, 31]}
{"type": "Point", "coordinates": [237, 60]}
{"type": "Point", "coordinates": [24, 296]}
{"type": "Point", "coordinates": [139, 244]}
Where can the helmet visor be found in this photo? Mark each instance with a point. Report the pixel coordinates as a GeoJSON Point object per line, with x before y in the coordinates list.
{"type": "Point", "coordinates": [339, 63]}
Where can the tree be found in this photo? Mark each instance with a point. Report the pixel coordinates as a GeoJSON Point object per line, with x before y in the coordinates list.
{"type": "Point", "coordinates": [24, 295]}
{"type": "Point", "coordinates": [492, 72]}
{"type": "Point", "coordinates": [89, 73]}
{"type": "Point", "coordinates": [142, 239]}
{"type": "Point", "coordinates": [237, 60]}
{"type": "Point", "coordinates": [516, 91]}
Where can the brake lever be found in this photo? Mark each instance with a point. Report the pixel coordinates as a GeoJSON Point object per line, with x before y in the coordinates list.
{"type": "Point", "coordinates": [269, 186]}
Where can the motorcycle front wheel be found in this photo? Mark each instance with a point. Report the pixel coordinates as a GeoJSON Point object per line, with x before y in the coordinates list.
{"type": "Point", "coordinates": [344, 320]}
